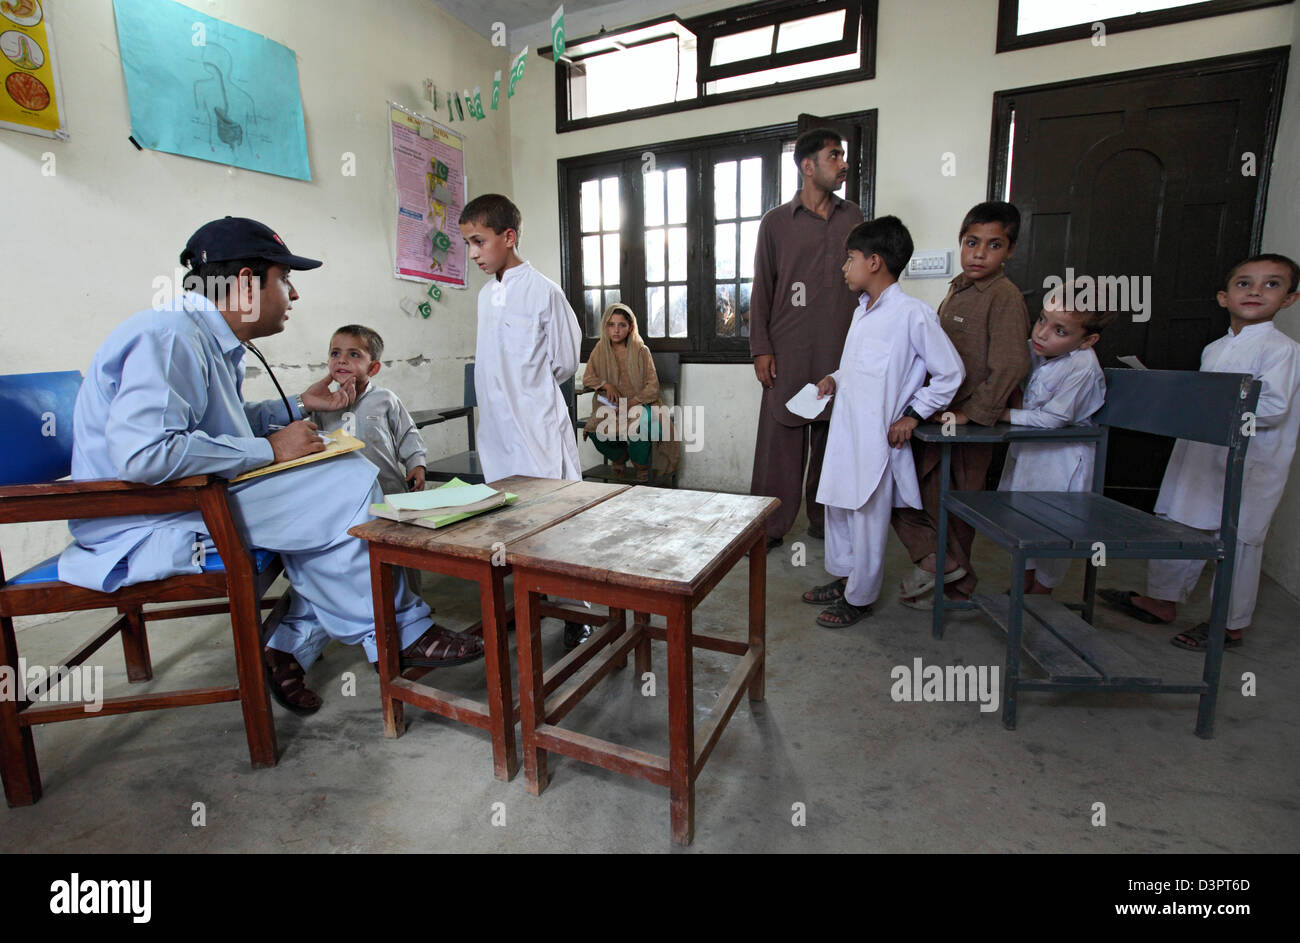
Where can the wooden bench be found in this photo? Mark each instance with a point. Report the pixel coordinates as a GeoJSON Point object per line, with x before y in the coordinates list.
{"type": "Point", "coordinates": [1204, 407]}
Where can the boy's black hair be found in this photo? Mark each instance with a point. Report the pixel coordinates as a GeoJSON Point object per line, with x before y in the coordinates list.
{"type": "Point", "coordinates": [885, 236]}
{"type": "Point", "coordinates": [211, 279]}
{"type": "Point", "coordinates": [494, 211]}
{"type": "Point", "coordinates": [810, 143]}
{"type": "Point", "coordinates": [367, 335]}
{"type": "Point", "coordinates": [1273, 257]}
{"type": "Point", "coordinates": [993, 211]}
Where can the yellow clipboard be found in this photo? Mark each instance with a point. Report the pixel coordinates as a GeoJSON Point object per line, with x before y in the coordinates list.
{"type": "Point", "coordinates": [339, 443]}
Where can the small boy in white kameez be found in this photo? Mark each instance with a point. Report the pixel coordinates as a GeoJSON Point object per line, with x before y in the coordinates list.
{"type": "Point", "coordinates": [880, 393]}
{"type": "Point", "coordinates": [1192, 490]}
{"type": "Point", "coordinates": [1065, 387]}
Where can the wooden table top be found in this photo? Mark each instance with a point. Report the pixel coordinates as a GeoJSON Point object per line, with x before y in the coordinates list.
{"type": "Point", "coordinates": [647, 538]}
{"type": "Point", "coordinates": [542, 502]}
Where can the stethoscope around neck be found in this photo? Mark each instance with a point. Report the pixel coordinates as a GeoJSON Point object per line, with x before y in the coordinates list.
{"type": "Point", "coordinates": [258, 354]}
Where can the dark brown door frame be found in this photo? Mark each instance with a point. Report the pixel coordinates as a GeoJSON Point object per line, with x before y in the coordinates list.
{"type": "Point", "coordinates": [1276, 57]}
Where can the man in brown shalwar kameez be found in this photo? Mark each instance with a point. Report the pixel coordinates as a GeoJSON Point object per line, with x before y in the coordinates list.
{"type": "Point", "coordinates": [799, 316]}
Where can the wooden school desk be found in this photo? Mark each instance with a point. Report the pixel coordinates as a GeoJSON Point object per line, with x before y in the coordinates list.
{"type": "Point", "coordinates": [651, 550]}
{"type": "Point", "coordinates": [472, 549]}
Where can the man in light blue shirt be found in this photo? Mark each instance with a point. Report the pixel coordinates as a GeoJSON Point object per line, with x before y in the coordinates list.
{"type": "Point", "coordinates": [163, 399]}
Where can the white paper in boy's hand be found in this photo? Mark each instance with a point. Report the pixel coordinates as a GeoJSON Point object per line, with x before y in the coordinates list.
{"type": "Point", "coordinates": [1131, 361]}
{"type": "Point", "coordinates": [806, 404]}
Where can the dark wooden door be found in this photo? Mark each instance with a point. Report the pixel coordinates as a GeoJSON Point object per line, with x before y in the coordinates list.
{"type": "Point", "coordinates": [1137, 175]}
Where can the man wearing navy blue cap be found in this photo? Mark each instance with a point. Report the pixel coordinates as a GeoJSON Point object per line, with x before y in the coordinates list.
{"type": "Point", "coordinates": [163, 400]}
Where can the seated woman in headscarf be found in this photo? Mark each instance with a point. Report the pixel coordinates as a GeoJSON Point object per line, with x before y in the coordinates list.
{"type": "Point", "coordinates": [621, 368]}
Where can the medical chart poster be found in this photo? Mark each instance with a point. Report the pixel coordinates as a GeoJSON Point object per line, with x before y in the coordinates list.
{"type": "Point", "coordinates": [429, 168]}
{"type": "Point", "coordinates": [203, 88]}
{"type": "Point", "coordinates": [32, 97]}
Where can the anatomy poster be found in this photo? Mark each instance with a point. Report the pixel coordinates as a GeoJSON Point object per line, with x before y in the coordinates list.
{"type": "Point", "coordinates": [32, 99]}
{"type": "Point", "coordinates": [203, 88]}
{"type": "Point", "coordinates": [429, 166]}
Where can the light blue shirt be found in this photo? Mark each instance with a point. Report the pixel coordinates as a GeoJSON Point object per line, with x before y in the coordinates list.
{"type": "Point", "coordinates": [162, 400]}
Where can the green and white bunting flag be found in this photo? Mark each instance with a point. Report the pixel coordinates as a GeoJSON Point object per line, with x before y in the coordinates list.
{"type": "Point", "coordinates": [496, 89]}
{"type": "Point", "coordinates": [516, 71]}
{"type": "Point", "coordinates": [460, 109]}
{"type": "Point", "coordinates": [478, 104]}
{"type": "Point", "coordinates": [557, 32]}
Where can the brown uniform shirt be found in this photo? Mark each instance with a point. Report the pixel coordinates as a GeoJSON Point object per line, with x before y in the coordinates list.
{"type": "Point", "coordinates": [795, 245]}
{"type": "Point", "coordinates": [988, 323]}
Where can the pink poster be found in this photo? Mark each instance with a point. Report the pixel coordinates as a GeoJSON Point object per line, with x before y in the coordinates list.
{"type": "Point", "coordinates": [429, 167]}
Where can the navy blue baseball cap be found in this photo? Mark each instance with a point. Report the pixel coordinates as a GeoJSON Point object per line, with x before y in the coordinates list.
{"type": "Point", "coordinates": [225, 240]}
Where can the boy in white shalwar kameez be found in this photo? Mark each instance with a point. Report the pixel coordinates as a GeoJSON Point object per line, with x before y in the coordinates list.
{"type": "Point", "coordinates": [1192, 490]}
{"type": "Point", "coordinates": [528, 344]}
{"type": "Point", "coordinates": [1065, 387]}
{"type": "Point", "coordinates": [894, 340]}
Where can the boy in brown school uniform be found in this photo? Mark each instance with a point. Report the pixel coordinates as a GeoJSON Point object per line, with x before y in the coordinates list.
{"type": "Point", "coordinates": [985, 317]}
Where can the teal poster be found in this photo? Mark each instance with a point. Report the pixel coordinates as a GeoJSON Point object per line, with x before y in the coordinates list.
{"type": "Point", "coordinates": [203, 88]}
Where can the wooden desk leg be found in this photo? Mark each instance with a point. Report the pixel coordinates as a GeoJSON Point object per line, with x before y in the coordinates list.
{"type": "Point", "coordinates": [22, 777]}
{"type": "Point", "coordinates": [532, 693]}
{"type": "Point", "coordinates": [642, 648]}
{"type": "Point", "coordinates": [496, 655]}
{"type": "Point", "coordinates": [388, 644]}
{"type": "Point", "coordinates": [681, 722]}
{"type": "Point", "coordinates": [619, 618]}
{"type": "Point", "coordinates": [758, 611]}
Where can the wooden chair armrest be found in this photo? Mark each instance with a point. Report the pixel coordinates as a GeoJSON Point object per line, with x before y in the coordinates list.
{"type": "Point", "coordinates": [100, 497]}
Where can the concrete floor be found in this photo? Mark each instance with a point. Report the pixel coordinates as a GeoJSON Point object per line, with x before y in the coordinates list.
{"type": "Point", "coordinates": [872, 774]}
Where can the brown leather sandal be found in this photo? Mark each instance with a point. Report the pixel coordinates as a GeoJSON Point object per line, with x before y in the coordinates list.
{"type": "Point", "coordinates": [441, 648]}
{"type": "Point", "coordinates": [288, 682]}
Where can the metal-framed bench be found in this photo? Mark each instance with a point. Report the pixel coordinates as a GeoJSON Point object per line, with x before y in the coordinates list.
{"type": "Point", "coordinates": [1074, 656]}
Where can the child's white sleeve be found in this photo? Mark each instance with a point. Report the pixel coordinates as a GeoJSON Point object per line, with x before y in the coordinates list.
{"type": "Point", "coordinates": [1279, 378]}
{"type": "Point", "coordinates": [1077, 398]}
{"type": "Point", "coordinates": [563, 336]}
{"type": "Point", "coordinates": [410, 444]}
{"type": "Point", "coordinates": [942, 362]}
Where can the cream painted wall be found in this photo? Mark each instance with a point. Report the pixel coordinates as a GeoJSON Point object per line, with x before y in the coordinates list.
{"type": "Point", "coordinates": [1282, 234]}
{"type": "Point", "coordinates": [112, 219]}
{"type": "Point", "coordinates": [936, 75]}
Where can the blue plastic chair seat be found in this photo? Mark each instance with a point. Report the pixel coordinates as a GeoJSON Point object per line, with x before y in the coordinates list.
{"type": "Point", "coordinates": [47, 571]}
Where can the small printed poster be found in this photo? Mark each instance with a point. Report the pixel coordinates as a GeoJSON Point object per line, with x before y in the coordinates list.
{"type": "Point", "coordinates": [32, 100]}
{"type": "Point", "coordinates": [429, 167]}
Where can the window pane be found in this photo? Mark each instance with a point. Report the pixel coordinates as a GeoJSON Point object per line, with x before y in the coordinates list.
{"type": "Point", "coordinates": [748, 244]}
{"type": "Point", "coordinates": [654, 255]}
{"type": "Point", "coordinates": [593, 312]}
{"type": "Point", "coordinates": [654, 198]}
{"type": "Point", "coordinates": [789, 173]}
{"type": "Point", "coordinates": [786, 73]}
{"type": "Point", "coordinates": [609, 201]}
{"type": "Point", "coordinates": [612, 296]}
{"type": "Point", "coordinates": [677, 195]}
{"type": "Point", "coordinates": [725, 250]}
{"type": "Point", "coordinates": [611, 259]}
{"type": "Point", "coordinates": [590, 203]}
{"type": "Point", "coordinates": [811, 31]}
{"type": "Point", "coordinates": [1038, 15]}
{"type": "Point", "coordinates": [724, 190]}
{"type": "Point", "coordinates": [742, 318]}
{"type": "Point", "coordinates": [677, 254]}
{"type": "Point", "coordinates": [677, 310]}
{"type": "Point", "coordinates": [725, 307]}
{"type": "Point", "coordinates": [751, 187]}
{"type": "Point", "coordinates": [654, 311]}
{"type": "Point", "coordinates": [653, 73]}
{"type": "Point", "coordinates": [739, 46]}
{"type": "Point", "coordinates": [591, 260]}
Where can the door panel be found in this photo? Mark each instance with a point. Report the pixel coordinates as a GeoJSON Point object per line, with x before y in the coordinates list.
{"type": "Point", "coordinates": [1139, 175]}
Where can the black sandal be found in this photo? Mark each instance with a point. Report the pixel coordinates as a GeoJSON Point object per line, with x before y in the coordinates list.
{"type": "Point", "coordinates": [1197, 639]}
{"type": "Point", "coordinates": [842, 614]}
{"type": "Point", "coordinates": [1123, 601]}
{"type": "Point", "coordinates": [828, 593]}
{"type": "Point", "coordinates": [288, 682]}
{"type": "Point", "coordinates": [441, 648]}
